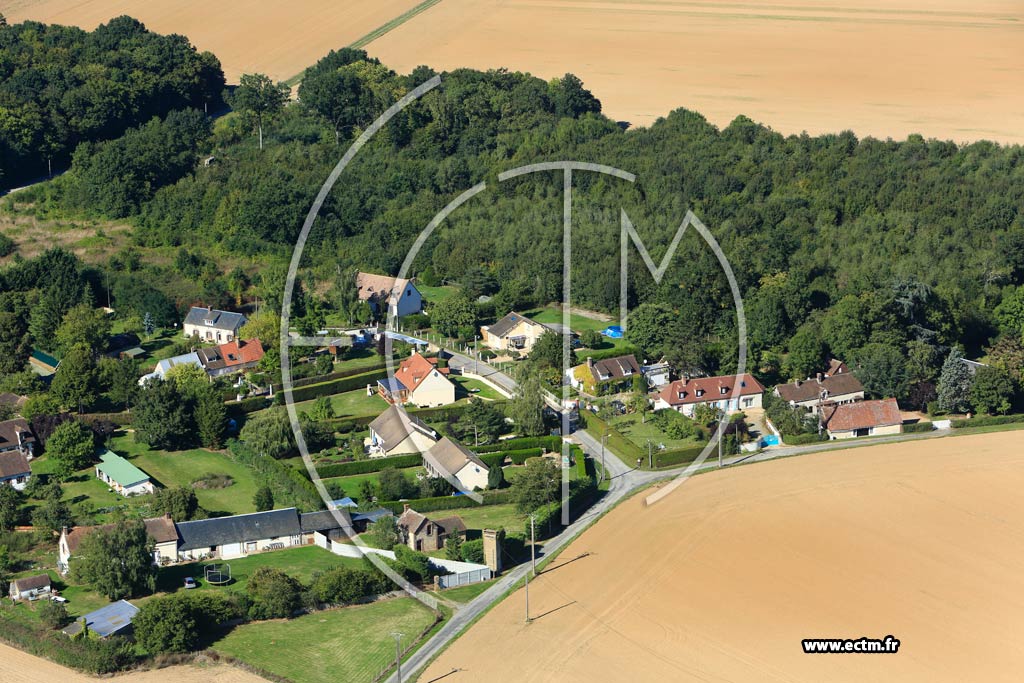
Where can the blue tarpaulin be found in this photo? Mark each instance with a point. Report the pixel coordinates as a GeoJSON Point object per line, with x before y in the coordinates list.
{"type": "Point", "coordinates": [613, 331]}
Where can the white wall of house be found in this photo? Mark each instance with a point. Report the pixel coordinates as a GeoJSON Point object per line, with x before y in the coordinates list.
{"type": "Point", "coordinates": [416, 442]}
{"type": "Point", "coordinates": [435, 390]}
{"type": "Point", "coordinates": [530, 334]}
{"type": "Point", "coordinates": [472, 476]}
{"type": "Point", "coordinates": [729, 406]}
{"type": "Point", "coordinates": [17, 483]}
{"type": "Point", "coordinates": [410, 302]}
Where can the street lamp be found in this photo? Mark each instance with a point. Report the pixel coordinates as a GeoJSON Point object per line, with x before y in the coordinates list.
{"type": "Point", "coordinates": [398, 654]}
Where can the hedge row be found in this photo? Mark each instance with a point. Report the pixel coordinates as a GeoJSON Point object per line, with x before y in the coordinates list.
{"type": "Point", "coordinates": [289, 486]}
{"type": "Point", "coordinates": [613, 352]}
{"type": "Point", "coordinates": [677, 456]}
{"type": "Point", "coordinates": [250, 405]}
{"type": "Point", "coordinates": [986, 421]}
{"type": "Point", "coordinates": [918, 427]}
{"type": "Point", "coordinates": [550, 443]}
{"type": "Point", "coordinates": [337, 386]}
{"type": "Point", "coordinates": [331, 376]}
{"type": "Point", "coordinates": [616, 441]}
{"type": "Point", "coordinates": [344, 469]}
{"type": "Point", "coordinates": [120, 419]}
{"type": "Point", "coordinates": [92, 655]}
{"type": "Point", "coordinates": [447, 502]}
{"type": "Point", "coordinates": [581, 465]}
{"type": "Point", "coordinates": [801, 439]}
{"type": "Point", "coordinates": [548, 518]}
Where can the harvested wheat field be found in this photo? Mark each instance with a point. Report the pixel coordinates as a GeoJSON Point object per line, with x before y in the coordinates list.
{"type": "Point", "coordinates": [19, 667]}
{"type": "Point", "coordinates": [721, 580]}
{"type": "Point", "coordinates": [950, 69]}
{"type": "Point", "coordinates": [279, 39]}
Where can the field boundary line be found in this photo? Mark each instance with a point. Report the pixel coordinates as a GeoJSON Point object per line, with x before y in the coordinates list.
{"type": "Point", "coordinates": [376, 33]}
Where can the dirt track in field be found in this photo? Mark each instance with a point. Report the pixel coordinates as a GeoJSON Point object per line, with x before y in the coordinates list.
{"type": "Point", "coordinates": [19, 667]}
{"type": "Point", "coordinates": [950, 69]}
{"type": "Point", "coordinates": [279, 39]}
{"type": "Point", "coordinates": [720, 581]}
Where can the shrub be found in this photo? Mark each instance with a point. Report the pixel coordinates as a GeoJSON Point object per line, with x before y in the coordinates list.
{"type": "Point", "coordinates": [548, 443]}
{"type": "Point", "coordinates": [344, 469]}
{"type": "Point", "coordinates": [344, 585]}
{"type": "Point", "coordinates": [987, 421]}
{"type": "Point", "coordinates": [274, 594]}
{"type": "Point", "coordinates": [918, 427]}
{"type": "Point", "coordinates": [473, 551]}
{"type": "Point", "coordinates": [800, 439]}
{"type": "Point", "coordinates": [448, 502]}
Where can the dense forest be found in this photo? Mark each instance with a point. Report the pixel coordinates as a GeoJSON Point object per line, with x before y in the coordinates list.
{"type": "Point", "coordinates": [888, 254]}
{"type": "Point", "coordinates": [60, 86]}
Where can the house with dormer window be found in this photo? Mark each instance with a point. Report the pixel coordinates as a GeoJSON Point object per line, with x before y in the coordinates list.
{"type": "Point", "coordinates": [728, 393]}
{"type": "Point", "coordinates": [606, 376]}
{"type": "Point", "coordinates": [209, 324]}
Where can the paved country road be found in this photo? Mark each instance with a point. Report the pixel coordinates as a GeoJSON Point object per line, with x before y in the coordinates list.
{"type": "Point", "coordinates": [623, 481]}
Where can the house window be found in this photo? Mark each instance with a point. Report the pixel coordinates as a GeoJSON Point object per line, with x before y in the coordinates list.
{"type": "Point", "coordinates": [723, 391]}
{"type": "Point", "coordinates": [700, 392]}
{"type": "Point", "coordinates": [429, 529]}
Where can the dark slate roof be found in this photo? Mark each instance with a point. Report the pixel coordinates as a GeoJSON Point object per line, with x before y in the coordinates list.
{"type": "Point", "coordinates": [124, 340]}
{"type": "Point", "coordinates": [811, 389]}
{"type": "Point", "coordinates": [13, 465]}
{"type": "Point", "coordinates": [29, 583]}
{"type": "Point", "coordinates": [206, 533]}
{"type": "Point", "coordinates": [395, 424]}
{"type": "Point", "coordinates": [508, 323]}
{"type": "Point", "coordinates": [222, 320]}
{"type": "Point", "coordinates": [372, 515]}
{"type": "Point", "coordinates": [324, 520]}
{"type": "Point", "coordinates": [9, 430]}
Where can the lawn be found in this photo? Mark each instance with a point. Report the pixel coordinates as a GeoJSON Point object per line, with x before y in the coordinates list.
{"type": "Point", "coordinates": [88, 496]}
{"type": "Point", "coordinates": [182, 468]}
{"type": "Point", "coordinates": [436, 295]}
{"type": "Point", "coordinates": [633, 429]}
{"type": "Point", "coordinates": [348, 644]}
{"type": "Point", "coordinates": [465, 593]}
{"type": "Point", "coordinates": [354, 402]}
{"type": "Point", "coordinates": [352, 483]}
{"type": "Point", "coordinates": [359, 359]}
{"type": "Point", "coordinates": [464, 387]}
{"type": "Point", "coordinates": [578, 323]}
{"type": "Point", "coordinates": [299, 563]}
{"type": "Point", "coordinates": [487, 517]}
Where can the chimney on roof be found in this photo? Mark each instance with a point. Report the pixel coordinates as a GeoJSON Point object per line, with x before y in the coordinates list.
{"type": "Point", "coordinates": [405, 507]}
{"type": "Point", "coordinates": [590, 361]}
{"type": "Point", "coordinates": [819, 378]}
{"type": "Point", "coordinates": [799, 382]}
{"type": "Point", "coordinates": [209, 308]}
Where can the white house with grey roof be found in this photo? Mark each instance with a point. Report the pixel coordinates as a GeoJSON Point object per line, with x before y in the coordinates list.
{"type": "Point", "coordinates": [448, 458]}
{"type": "Point", "coordinates": [395, 432]}
{"type": "Point", "coordinates": [209, 324]}
{"type": "Point", "coordinates": [514, 332]}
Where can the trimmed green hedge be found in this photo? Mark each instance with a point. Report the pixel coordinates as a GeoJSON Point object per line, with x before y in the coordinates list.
{"type": "Point", "coordinates": [550, 443]}
{"type": "Point", "coordinates": [331, 376]}
{"type": "Point", "coordinates": [801, 439]}
{"type": "Point", "coordinates": [344, 469]}
{"type": "Point", "coordinates": [617, 442]}
{"type": "Point", "coordinates": [249, 405]}
{"type": "Point", "coordinates": [918, 427]}
{"type": "Point", "coordinates": [337, 386]}
{"type": "Point", "coordinates": [614, 352]}
{"type": "Point", "coordinates": [678, 456]}
{"type": "Point", "coordinates": [447, 502]}
{"type": "Point", "coordinates": [986, 421]}
{"type": "Point", "coordinates": [548, 518]}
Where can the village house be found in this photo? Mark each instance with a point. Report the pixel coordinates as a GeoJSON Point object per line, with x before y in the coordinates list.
{"type": "Point", "coordinates": [233, 356]}
{"type": "Point", "coordinates": [606, 376]}
{"type": "Point", "coordinates": [12, 402]}
{"type": "Point", "coordinates": [16, 436]}
{"type": "Point", "coordinates": [425, 535]}
{"type": "Point", "coordinates": [395, 432]}
{"type": "Point", "coordinates": [863, 418]}
{"type": "Point", "coordinates": [448, 458]}
{"type": "Point", "coordinates": [823, 390]}
{"type": "Point", "coordinates": [14, 470]}
{"type": "Point", "coordinates": [42, 363]}
{"type": "Point", "coordinates": [657, 374]}
{"type": "Point", "coordinates": [30, 587]}
{"type": "Point", "coordinates": [122, 476]}
{"type": "Point", "coordinates": [160, 530]}
{"type": "Point", "coordinates": [514, 332]}
{"type": "Point", "coordinates": [113, 619]}
{"type": "Point", "coordinates": [377, 290]}
{"type": "Point", "coordinates": [236, 536]}
{"type": "Point", "coordinates": [164, 366]}
{"type": "Point", "coordinates": [722, 392]}
{"type": "Point", "coordinates": [419, 381]}
{"type": "Point", "coordinates": [209, 324]}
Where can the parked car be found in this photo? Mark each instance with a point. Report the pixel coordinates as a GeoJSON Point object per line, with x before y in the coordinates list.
{"type": "Point", "coordinates": [619, 407]}
{"type": "Point", "coordinates": [190, 582]}
{"type": "Point", "coordinates": [58, 598]}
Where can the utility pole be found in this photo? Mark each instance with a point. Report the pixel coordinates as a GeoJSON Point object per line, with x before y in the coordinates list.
{"type": "Point", "coordinates": [476, 354]}
{"type": "Point", "coordinates": [650, 454]}
{"type": "Point", "coordinates": [603, 439]}
{"type": "Point", "coordinates": [398, 654]}
{"type": "Point", "coordinates": [527, 599]}
{"type": "Point", "coordinates": [721, 433]}
{"type": "Point", "coordinates": [533, 544]}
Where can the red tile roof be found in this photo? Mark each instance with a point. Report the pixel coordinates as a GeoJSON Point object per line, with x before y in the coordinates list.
{"type": "Point", "coordinates": [707, 389]}
{"type": "Point", "coordinates": [846, 417]}
{"type": "Point", "coordinates": [240, 352]}
{"type": "Point", "coordinates": [413, 370]}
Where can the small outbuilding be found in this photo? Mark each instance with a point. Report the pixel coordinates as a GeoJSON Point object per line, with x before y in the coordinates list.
{"type": "Point", "coordinates": [30, 587]}
{"type": "Point", "coordinates": [114, 619]}
{"type": "Point", "coordinates": [123, 476]}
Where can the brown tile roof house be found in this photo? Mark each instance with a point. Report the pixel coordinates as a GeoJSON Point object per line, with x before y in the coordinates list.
{"type": "Point", "coordinates": [825, 388]}
{"type": "Point", "coordinates": [14, 401]}
{"type": "Point", "coordinates": [614, 369]}
{"type": "Point", "coordinates": [16, 435]}
{"type": "Point", "coordinates": [14, 469]}
{"type": "Point", "coordinates": [708, 389]}
{"type": "Point", "coordinates": [391, 429]}
{"type": "Point", "coordinates": [160, 529]}
{"type": "Point", "coordinates": [862, 418]}
{"type": "Point", "coordinates": [29, 587]}
{"type": "Point", "coordinates": [449, 457]}
{"type": "Point", "coordinates": [375, 288]}
{"type": "Point", "coordinates": [233, 356]}
{"type": "Point", "coordinates": [836, 367]}
{"type": "Point", "coordinates": [425, 535]}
